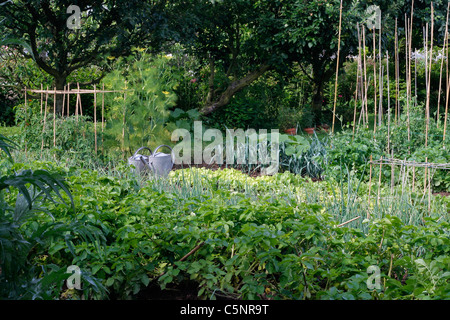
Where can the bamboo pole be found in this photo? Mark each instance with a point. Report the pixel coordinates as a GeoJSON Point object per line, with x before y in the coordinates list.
{"type": "Point", "coordinates": [344, 223]}
{"type": "Point", "coordinates": [68, 98]}
{"type": "Point", "coordinates": [103, 110]}
{"type": "Point", "coordinates": [357, 80]}
{"type": "Point", "coordinates": [447, 82]}
{"type": "Point", "coordinates": [45, 118]}
{"type": "Point", "coordinates": [374, 84]}
{"type": "Point", "coordinates": [26, 120]}
{"type": "Point", "coordinates": [408, 39]}
{"type": "Point", "coordinates": [42, 98]}
{"type": "Point", "coordinates": [54, 119]}
{"type": "Point", "coordinates": [380, 110]}
{"type": "Point", "coordinates": [396, 72]}
{"type": "Point", "coordinates": [365, 77]}
{"type": "Point", "coordinates": [389, 102]}
{"type": "Point", "coordinates": [427, 109]}
{"type": "Point", "coordinates": [370, 185]}
{"type": "Point", "coordinates": [379, 180]}
{"type": "Point", "coordinates": [337, 67]}
{"type": "Point", "coordinates": [81, 108]}
{"type": "Point", "coordinates": [64, 100]}
{"type": "Point", "coordinates": [95, 118]}
{"type": "Point", "coordinates": [442, 65]}
{"type": "Point", "coordinates": [392, 173]}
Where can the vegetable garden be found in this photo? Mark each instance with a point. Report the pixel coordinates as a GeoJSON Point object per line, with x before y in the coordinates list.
{"type": "Point", "coordinates": [357, 210]}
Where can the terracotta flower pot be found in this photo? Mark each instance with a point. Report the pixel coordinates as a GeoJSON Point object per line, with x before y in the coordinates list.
{"type": "Point", "coordinates": [309, 130]}
{"type": "Point", "coordinates": [291, 131]}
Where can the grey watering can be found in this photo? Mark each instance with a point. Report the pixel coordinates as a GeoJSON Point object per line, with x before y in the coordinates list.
{"type": "Point", "coordinates": [158, 163]}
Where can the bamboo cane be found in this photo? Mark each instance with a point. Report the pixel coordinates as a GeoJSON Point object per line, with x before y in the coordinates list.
{"type": "Point", "coordinates": [26, 120]}
{"type": "Point", "coordinates": [357, 80]}
{"type": "Point", "coordinates": [379, 181]}
{"type": "Point", "coordinates": [42, 98]}
{"type": "Point", "coordinates": [95, 117]}
{"type": "Point", "coordinates": [45, 118]}
{"type": "Point", "coordinates": [389, 101]}
{"type": "Point", "coordinates": [396, 72]}
{"type": "Point", "coordinates": [442, 65]}
{"type": "Point", "coordinates": [54, 119]}
{"type": "Point", "coordinates": [337, 67]}
{"type": "Point", "coordinates": [374, 84]}
{"type": "Point", "coordinates": [429, 78]}
{"type": "Point", "coordinates": [370, 185]}
{"type": "Point", "coordinates": [380, 110]}
{"type": "Point", "coordinates": [365, 77]}
{"type": "Point", "coordinates": [68, 98]}
{"type": "Point", "coordinates": [103, 110]}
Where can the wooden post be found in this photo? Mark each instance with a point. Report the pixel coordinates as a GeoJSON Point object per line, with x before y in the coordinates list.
{"type": "Point", "coordinates": [42, 97]}
{"type": "Point", "coordinates": [26, 120]}
{"type": "Point", "coordinates": [370, 185]}
{"type": "Point", "coordinates": [365, 77]}
{"type": "Point", "coordinates": [95, 117]}
{"type": "Point", "coordinates": [68, 98]}
{"type": "Point", "coordinates": [103, 110]}
{"type": "Point", "coordinates": [81, 108]}
{"type": "Point", "coordinates": [379, 180]}
{"type": "Point", "coordinates": [380, 110]}
{"type": "Point", "coordinates": [64, 100]}
{"type": "Point", "coordinates": [337, 67]}
{"type": "Point", "coordinates": [357, 80]}
{"type": "Point", "coordinates": [442, 65]}
{"type": "Point", "coordinates": [374, 85]}
{"type": "Point", "coordinates": [396, 72]}
{"type": "Point", "coordinates": [429, 78]}
{"type": "Point", "coordinates": [389, 102]}
{"type": "Point", "coordinates": [45, 120]}
{"type": "Point", "coordinates": [54, 119]}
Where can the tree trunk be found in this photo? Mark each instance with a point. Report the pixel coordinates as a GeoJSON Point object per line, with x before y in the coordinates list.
{"type": "Point", "coordinates": [317, 104]}
{"type": "Point", "coordinates": [234, 88]}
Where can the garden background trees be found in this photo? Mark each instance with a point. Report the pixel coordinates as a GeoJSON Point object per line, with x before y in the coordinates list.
{"type": "Point", "coordinates": [108, 28]}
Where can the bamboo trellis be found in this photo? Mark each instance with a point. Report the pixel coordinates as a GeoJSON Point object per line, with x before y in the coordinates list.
{"type": "Point", "coordinates": [66, 92]}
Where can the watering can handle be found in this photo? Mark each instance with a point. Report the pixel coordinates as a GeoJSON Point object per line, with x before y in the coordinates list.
{"type": "Point", "coordinates": [141, 149]}
{"type": "Point", "coordinates": [171, 151]}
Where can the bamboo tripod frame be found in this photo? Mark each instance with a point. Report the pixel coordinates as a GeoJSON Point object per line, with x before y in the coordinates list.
{"type": "Point", "coordinates": [66, 92]}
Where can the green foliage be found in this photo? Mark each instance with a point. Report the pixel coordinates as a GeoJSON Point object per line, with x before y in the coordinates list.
{"type": "Point", "coordinates": [138, 116]}
{"type": "Point", "coordinates": [27, 227]}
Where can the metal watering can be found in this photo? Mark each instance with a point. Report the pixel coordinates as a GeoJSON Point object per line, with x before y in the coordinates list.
{"type": "Point", "coordinates": [158, 163]}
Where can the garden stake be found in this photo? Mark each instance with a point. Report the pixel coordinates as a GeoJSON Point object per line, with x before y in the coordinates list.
{"type": "Point", "coordinates": [389, 101]}
{"type": "Point", "coordinates": [45, 117]}
{"type": "Point", "coordinates": [337, 67]}
{"type": "Point", "coordinates": [103, 110]}
{"type": "Point", "coordinates": [64, 100]}
{"type": "Point", "coordinates": [379, 180]}
{"type": "Point", "coordinates": [442, 64]}
{"type": "Point", "coordinates": [343, 224]}
{"type": "Point", "coordinates": [42, 97]}
{"type": "Point", "coordinates": [374, 86]}
{"type": "Point", "coordinates": [26, 119]}
{"type": "Point", "coordinates": [429, 78]}
{"type": "Point", "coordinates": [396, 72]}
{"type": "Point", "coordinates": [54, 119]}
{"type": "Point", "coordinates": [365, 78]}
{"type": "Point", "coordinates": [370, 186]}
{"type": "Point", "coordinates": [380, 111]}
{"type": "Point", "coordinates": [68, 98]}
{"type": "Point", "coordinates": [95, 117]}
